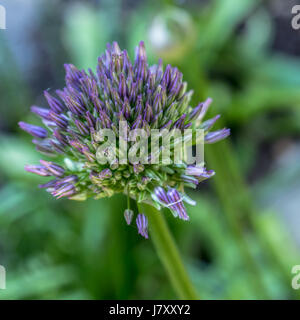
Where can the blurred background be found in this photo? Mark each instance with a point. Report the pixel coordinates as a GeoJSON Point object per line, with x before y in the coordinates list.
{"type": "Point", "coordinates": [243, 237]}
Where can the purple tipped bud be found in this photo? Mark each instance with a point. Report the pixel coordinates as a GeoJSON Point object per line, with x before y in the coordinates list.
{"type": "Point", "coordinates": [60, 120]}
{"type": "Point", "coordinates": [128, 214]}
{"type": "Point", "coordinates": [69, 193]}
{"type": "Point", "coordinates": [167, 125]}
{"type": "Point", "coordinates": [216, 136]}
{"type": "Point", "coordinates": [64, 190]}
{"type": "Point", "coordinates": [35, 131]}
{"type": "Point", "coordinates": [54, 168]}
{"type": "Point", "coordinates": [105, 174]}
{"type": "Point", "coordinates": [161, 195]}
{"type": "Point", "coordinates": [49, 184]}
{"type": "Point", "coordinates": [200, 172]}
{"type": "Point", "coordinates": [40, 170]}
{"type": "Point", "coordinates": [204, 108]}
{"type": "Point", "coordinates": [41, 112]}
{"type": "Point", "coordinates": [142, 225]}
{"type": "Point", "coordinates": [189, 179]}
{"type": "Point", "coordinates": [148, 113]}
{"type": "Point", "coordinates": [179, 124]}
{"type": "Point", "coordinates": [140, 52]}
{"type": "Point", "coordinates": [54, 104]}
{"type": "Point", "coordinates": [115, 48]}
{"type": "Point", "coordinates": [69, 179]}
{"type": "Point", "coordinates": [138, 168]}
{"type": "Point", "coordinates": [199, 112]}
{"type": "Point", "coordinates": [208, 124]}
{"type": "Point", "coordinates": [61, 138]}
{"type": "Point", "coordinates": [176, 204]}
{"type": "Point", "coordinates": [90, 119]}
{"type": "Point", "coordinates": [73, 75]}
{"type": "Point", "coordinates": [44, 146]}
{"type": "Point", "coordinates": [81, 127]}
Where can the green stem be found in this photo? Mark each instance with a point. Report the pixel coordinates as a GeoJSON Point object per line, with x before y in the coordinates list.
{"type": "Point", "coordinates": [168, 253]}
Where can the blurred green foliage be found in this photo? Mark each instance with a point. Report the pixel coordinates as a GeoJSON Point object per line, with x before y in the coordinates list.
{"type": "Point", "coordinates": [233, 246]}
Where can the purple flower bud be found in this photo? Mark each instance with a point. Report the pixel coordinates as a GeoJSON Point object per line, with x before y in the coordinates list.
{"type": "Point", "coordinates": [90, 119]}
{"type": "Point", "coordinates": [35, 131]}
{"type": "Point", "coordinates": [140, 52]}
{"type": "Point", "coordinates": [176, 204]}
{"type": "Point", "coordinates": [75, 105]}
{"type": "Point", "coordinates": [40, 170]}
{"type": "Point", "coordinates": [204, 108]}
{"type": "Point", "coordinates": [73, 75]}
{"type": "Point", "coordinates": [41, 112]}
{"type": "Point", "coordinates": [128, 214]}
{"type": "Point", "coordinates": [81, 127]}
{"type": "Point", "coordinates": [199, 172]}
{"type": "Point", "coordinates": [161, 195]}
{"type": "Point", "coordinates": [105, 174]}
{"type": "Point", "coordinates": [148, 113]}
{"type": "Point", "coordinates": [54, 104]}
{"type": "Point", "coordinates": [142, 225]}
{"type": "Point", "coordinates": [44, 146]}
{"type": "Point", "coordinates": [189, 179]}
{"type": "Point", "coordinates": [49, 184]}
{"type": "Point", "coordinates": [208, 124]}
{"type": "Point", "coordinates": [216, 136]}
{"type": "Point", "coordinates": [167, 125]}
{"type": "Point", "coordinates": [53, 168]}
{"type": "Point", "coordinates": [68, 179]}
{"type": "Point", "coordinates": [64, 190]}
{"type": "Point", "coordinates": [138, 168]}
{"type": "Point", "coordinates": [69, 193]}
{"type": "Point", "coordinates": [61, 138]}
{"type": "Point", "coordinates": [115, 48]}
{"type": "Point", "coordinates": [199, 112]}
{"type": "Point", "coordinates": [196, 171]}
{"type": "Point", "coordinates": [179, 124]}
{"type": "Point", "coordinates": [79, 146]}
{"type": "Point", "coordinates": [60, 120]}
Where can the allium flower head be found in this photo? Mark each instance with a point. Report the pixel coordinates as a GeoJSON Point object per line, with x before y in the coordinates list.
{"type": "Point", "coordinates": [141, 96]}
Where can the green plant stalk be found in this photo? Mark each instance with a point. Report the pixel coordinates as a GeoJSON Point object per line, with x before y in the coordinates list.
{"type": "Point", "coordinates": [168, 253]}
{"type": "Point", "coordinates": [230, 187]}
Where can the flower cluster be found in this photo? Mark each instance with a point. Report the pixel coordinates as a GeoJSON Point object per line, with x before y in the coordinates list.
{"type": "Point", "coordinates": [145, 97]}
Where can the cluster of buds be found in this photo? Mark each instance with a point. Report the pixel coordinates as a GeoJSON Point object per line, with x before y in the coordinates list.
{"type": "Point", "coordinates": [141, 96]}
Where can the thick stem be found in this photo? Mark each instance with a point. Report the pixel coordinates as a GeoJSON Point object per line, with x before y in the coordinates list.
{"type": "Point", "coordinates": [168, 253]}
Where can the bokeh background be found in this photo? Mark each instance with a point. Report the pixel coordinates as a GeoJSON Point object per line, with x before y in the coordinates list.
{"type": "Point", "coordinates": [243, 237]}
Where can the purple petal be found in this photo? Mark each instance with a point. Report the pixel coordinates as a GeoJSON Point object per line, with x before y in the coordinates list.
{"type": "Point", "coordinates": [54, 104]}
{"type": "Point", "coordinates": [216, 136]}
{"type": "Point", "coordinates": [161, 195]}
{"type": "Point", "coordinates": [37, 169]}
{"type": "Point", "coordinates": [142, 225]}
{"type": "Point", "coordinates": [54, 168]}
{"type": "Point", "coordinates": [35, 131]}
{"type": "Point", "coordinates": [105, 174]}
{"type": "Point", "coordinates": [41, 112]}
{"type": "Point", "coordinates": [206, 125]}
{"type": "Point", "coordinates": [176, 204]}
